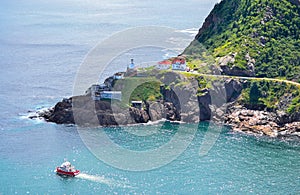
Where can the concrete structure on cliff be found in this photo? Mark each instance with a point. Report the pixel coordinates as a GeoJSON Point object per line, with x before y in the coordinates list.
{"type": "Point", "coordinates": [137, 104]}
{"type": "Point", "coordinates": [111, 95]}
{"type": "Point", "coordinates": [101, 92]}
{"type": "Point", "coordinates": [104, 91]}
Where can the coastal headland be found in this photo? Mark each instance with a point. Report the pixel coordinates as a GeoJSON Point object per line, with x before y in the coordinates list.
{"type": "Point", "coordinates": [153, 95]}
{"type": "Point", "coordinates": [242, 69]}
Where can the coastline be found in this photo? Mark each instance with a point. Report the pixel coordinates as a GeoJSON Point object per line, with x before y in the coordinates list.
{"type": "Point", "coordinates": [264, 106]}
{"type": "Point", "coordinates": [190, 108]}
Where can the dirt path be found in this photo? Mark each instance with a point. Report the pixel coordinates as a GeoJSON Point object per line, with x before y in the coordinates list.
{"type": "Point", "coordinates": [251, 78]}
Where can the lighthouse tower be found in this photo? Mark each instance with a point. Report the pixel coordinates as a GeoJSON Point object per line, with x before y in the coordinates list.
{"type": "Point", "coordinates": [131, 65]}
{"type": "Point", "coordinates": [131, 70]}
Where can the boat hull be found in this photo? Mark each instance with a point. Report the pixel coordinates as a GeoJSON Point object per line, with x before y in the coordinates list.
{"type": "Point", "coordinates": [67, 173]}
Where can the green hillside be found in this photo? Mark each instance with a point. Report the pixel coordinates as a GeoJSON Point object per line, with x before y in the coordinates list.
{"type": "Point", "coordinates": [256, 37]}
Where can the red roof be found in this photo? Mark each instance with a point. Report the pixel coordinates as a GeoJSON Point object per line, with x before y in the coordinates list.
{"type": "Point", "coordinates": [165, 62]}
{"type": "Point", "coordinates": [179, 60]}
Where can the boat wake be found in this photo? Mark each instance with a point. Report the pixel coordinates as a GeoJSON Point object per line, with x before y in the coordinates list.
{"type": "Point", "coordinates": [103, 180]}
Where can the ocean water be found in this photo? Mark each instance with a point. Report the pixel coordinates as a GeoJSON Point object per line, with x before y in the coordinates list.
{"type": "Point", "coordinates": [43, 44]}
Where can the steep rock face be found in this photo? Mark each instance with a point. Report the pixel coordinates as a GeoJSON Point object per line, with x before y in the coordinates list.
{"type": "Point", "coordinates": [227, 66]}
{"type": "Point", "coordinates": [84, 111]}
{"type": "Point", "coordinates": [172, 113]}
{"type": "Point", "coordinates": [216, 17]}
{"type": "Point", "coordinates": [182, 93]}
{"type": "Point", "coordinates": [214, 102]}
{"type": "Point", "coordinates": [204, 102]}
{"type": "Point", "coordinates": [194, 106]}
{"type": "Point", "coordinates": [189, 102]}
{"type": "Point", "coordinates": [139, 116]}
{"type": "Point", "coordinates": [171, 97]}
{"type": "Point", "coordinates": [62, 114]}
{"type": "Point", "coordinates": [233, 89]}
{"type": "Point", "coordinates": [156, 111]}
{"type": "Point", "coordinates": [181, 102]}
{"type": "Point", "coordinates": [162, 110]}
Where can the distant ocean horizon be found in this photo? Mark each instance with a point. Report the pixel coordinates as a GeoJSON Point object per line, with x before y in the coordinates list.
{"type": "Point", "coordinates": [43, 43]}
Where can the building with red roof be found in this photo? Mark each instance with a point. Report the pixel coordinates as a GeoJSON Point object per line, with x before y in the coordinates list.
{"type": "Point", "coordinates": [164, 65]}
{"type": "Point", "coordinates": [179, 63]}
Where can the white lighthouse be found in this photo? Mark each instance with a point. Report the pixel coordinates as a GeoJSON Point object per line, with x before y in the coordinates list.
{"type": "Point", "coordinates": [131, 70]}
{"type": "Point", "coordinates": [131, 65]}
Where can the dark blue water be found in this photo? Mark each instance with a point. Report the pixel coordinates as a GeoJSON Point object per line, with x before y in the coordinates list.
{"type": "Point", "coordinates": [42, 45]}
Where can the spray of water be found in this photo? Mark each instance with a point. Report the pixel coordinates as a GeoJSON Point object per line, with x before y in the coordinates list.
{"type": "Point", "coordinates": [103, 180]}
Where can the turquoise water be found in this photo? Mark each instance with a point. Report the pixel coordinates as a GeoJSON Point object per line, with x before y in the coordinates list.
{"type": "Point", "coordinates": [42, 45]}
{"type": "Point", "coordinates": [236, 163]}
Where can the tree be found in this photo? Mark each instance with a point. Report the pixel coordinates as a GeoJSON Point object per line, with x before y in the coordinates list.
{"type": "Point", "coordinates": [255, 93]}
{"type": "Point", "coordinates": [282, 70]}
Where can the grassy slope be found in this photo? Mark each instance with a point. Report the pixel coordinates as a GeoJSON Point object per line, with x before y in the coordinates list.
{"type": "Point", "coordinates": [139, 88]}
{"type": "Point", "coordinates": [269, 30]}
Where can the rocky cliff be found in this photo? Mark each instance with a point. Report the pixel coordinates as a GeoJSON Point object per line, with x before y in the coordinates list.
{"type": "Point", "coordinates": [181, 100]}
{"type": "Point", "coordinates": [251, 38]}
{"type": "Point", "coordinates": [184, 98]}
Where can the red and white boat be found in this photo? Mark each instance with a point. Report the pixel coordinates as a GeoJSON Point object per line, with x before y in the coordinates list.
{"type": "Point", "coordinates": [67, 169]}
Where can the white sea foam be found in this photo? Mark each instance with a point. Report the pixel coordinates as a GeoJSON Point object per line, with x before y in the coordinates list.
{"type": "Point", "coordinates": [151, 123]}
{"type": "Point", "coordinates": [101, 179]}
{"type": "Point", "coordinates": [192, 31]}
{"type": "Point", "coordinates": [34, 114]}
{"type": "Point", "coordinates": [95, 178]}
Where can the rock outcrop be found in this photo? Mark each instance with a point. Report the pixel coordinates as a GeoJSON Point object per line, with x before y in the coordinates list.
{"type": "Point", "coordinates": [182, 100]}
{"type": "Point", "coordinates": [262, 123]}
{"type": "Point", "coordinates": [227, 66]}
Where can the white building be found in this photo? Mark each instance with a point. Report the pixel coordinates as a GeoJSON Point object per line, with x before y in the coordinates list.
{"type": "Point", "coordinates": [96, 89]}
{"type": "Point", "coordinates": [179, 63]}
{"type": "Point", "coordinates": [119, 76]}
{"type": "Point", "coordinates": [111, 95]}
{"type": "Point", "coordinates": [163, 65]}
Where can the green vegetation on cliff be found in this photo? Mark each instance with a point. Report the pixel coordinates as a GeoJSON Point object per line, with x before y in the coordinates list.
{"type": "Point", "coordinates": [264, 32]}
{"type": "Point", "coordinates": [139, 88]}
{"type": "Point", "coordinates": [148, 91]}
{"type": "Point", "coordinates": [270, 95]}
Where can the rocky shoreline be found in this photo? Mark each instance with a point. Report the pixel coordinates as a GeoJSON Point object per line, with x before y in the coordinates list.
{"type": "Point", "coordinates": [261, 123]}
{"type": "Point", "coordinates": [186, 103]}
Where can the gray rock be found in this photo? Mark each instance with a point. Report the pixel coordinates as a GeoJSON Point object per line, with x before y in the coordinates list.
{"type": "Point", "coordinates": [156, 111]}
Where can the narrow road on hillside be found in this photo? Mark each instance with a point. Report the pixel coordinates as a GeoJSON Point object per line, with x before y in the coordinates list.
{"type": "Point", "coordinates": [250, 78]}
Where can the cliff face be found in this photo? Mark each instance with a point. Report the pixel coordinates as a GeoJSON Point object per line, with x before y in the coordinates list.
{"type": "Point", "coordinates": [187, 99]}
{"type": "Point", "coordinates": [252, 38]}
{"type": "Point", "coordinates": [258, 38]}
{"type": "Point", "coordinates": [180, 101]}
